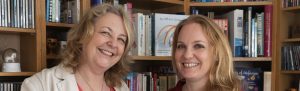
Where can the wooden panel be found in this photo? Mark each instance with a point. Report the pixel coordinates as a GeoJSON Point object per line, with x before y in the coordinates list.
{"type": "Point", "coordinates": [291, 8]}
{"type": "Point", "coordinates": [230, 3]}
{"type": "Point", "coordinates": [16, 73]}
{"type": "Point", "coordinates": [21, 30]}
{"type": "Point", "coordinates": [171, 1]}
{"type": "Point", "coordinates": [292, 40]}
{"type": "Point", "coordinates": [167, 58]}
{"type": "Point", "coordinates": [60, 24]}
{"type": "Point", "coordinates": [173, 9]}
{"type": "Point", "coordinates": [28, 49]}
{"type": "Point", "coordinates": [290, 72]}
{"type": "Point", "coordinates": [252, 59]}
{"type": "Point", "coordinates": [153, 4]}
{"type": "Point", "coordinates": [150, 58]}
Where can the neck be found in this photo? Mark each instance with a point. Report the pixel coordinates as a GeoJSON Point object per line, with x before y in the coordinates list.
{"type": "Point", "coordinates": [90, 80]}
{"type": "Point", "coordinates": [196, 85]}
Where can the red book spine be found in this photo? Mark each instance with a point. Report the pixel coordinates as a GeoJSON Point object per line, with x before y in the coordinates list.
{"type": "Point", "coordinates": [268, 31]}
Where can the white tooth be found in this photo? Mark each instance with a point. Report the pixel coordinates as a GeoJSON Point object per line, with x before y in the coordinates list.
{"type": "Point", "coordinates": [106, 52]}
{"type": "Point", "coordinates": [188, 65]}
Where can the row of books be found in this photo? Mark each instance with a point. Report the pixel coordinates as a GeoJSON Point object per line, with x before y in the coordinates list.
{"type": "Point", "coordinates": [10, 86]}
{"type": "Point", "coordinates": [96, 2]}
{"type": "Point", "coordinates": [254, 79]}
{"type": "Point", "coordinates": [290, 57]}
{"type": "Point", "coordinates": [228, 0]}
{"type": "Point", "coordinates": [290, 3]}
{"type": "Point", "coordinates": [64, 11]}
{"type": "Point", "coordinates": [249, 31]}
{"type": "Point", "coordinates": [154, 33]}
{"type": "Point", "coordinates": [17, 13]}
{"type": "Point", "coordinates": [149, 81]}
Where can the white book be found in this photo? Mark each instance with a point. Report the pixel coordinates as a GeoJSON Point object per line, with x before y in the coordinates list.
{"type": "Point", "coordinates": [5, 13]}
{"type": "Point", "coordinates": [32, 13]}
{"type": "Point", "coordinates": [164, 26]}
{"type": "Point", "coordinates": [267, 81]}
{"type": "Point", "coordinates": [26, 14]}
{"type": "Point", "coordinates": [139, 27]}
{"type": "Point", "coordinates": [1, 13]}
{"type": "Point", "coordinates": [18, 14]}
{"type": "Point", "coordinates": [8, 14]}
{"type": "Point", "coordinates": [235, 23]}
{"type": "Point", "coordinates": [249, 31]}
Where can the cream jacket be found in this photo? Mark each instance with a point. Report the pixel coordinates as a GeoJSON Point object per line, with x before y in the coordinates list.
{"type": "Point", "coordinates": [57, 78]}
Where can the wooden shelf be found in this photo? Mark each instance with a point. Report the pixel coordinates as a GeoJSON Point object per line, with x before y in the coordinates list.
{"type": "Point", "coordinates": [168, 58]}
{"type": "Point", "coordinates": [150, 58]}
{"type": "Point", "coordinates": [290, 72]}
{"type": "Point", "coordinates": [21, 30]}
{"type": "Point", "coordinates": [16, 73]}
{"type": "Point", "coordinates": [292, 40]}
{"type": "Point", "coordinates": [252, 59]}
{"type": "Point", "coordinates": [210, 4]}
{"type": "Point", "coordinates": [171, 1]}
{"type": "Point", "coordinates": [60, 24]}
{"type": "Point", "coordinates": [297, 8]}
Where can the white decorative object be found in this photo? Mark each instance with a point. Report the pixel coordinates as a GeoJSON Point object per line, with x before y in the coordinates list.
{"type": "Point", "coordinates": [11, 61]}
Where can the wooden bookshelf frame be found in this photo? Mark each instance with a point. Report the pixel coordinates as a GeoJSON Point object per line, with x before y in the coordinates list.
{"type": "Point", "coordinates": [19, 30]}
{"type": "Point", "coordinates": [16, 73]}
{"type": "Point", "coordinates": [291, 40]}
{"type": "Point", "coordinates": [52, 24]}
{"type": "Point", "coordinates": [168, 58]}
{"type": "Point", "coordinates": [210, 4]}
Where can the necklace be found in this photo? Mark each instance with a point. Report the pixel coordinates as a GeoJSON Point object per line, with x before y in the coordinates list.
{"type": "Point", "coordinates": [88, 83]}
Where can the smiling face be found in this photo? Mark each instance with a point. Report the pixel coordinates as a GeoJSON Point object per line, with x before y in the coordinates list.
{"type": "Point", "coordinates": [107, 44]}
{"type": "Point", "coordinates": [193, 55]}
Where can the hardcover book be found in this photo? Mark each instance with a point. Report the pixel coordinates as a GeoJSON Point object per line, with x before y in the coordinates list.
{"type": "Point", "coordinates": [164, 26]}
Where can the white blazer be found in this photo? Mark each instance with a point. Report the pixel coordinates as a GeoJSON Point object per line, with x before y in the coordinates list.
{"type": "Point", "coordinates": [57, 78]}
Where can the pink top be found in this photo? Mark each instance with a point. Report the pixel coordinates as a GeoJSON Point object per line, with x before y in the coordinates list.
{"type": "Point", "coordinates": [111, 88]}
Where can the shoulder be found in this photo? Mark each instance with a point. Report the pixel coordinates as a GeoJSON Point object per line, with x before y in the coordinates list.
{"type": "Point", "coordinates": [123, 87]}
{"type": "Point", "coordinates": [178, 86]}
{"type": "Point", "coordinates": [44, 78]}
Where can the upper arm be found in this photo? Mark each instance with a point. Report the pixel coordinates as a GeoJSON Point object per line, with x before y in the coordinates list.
{"type": "Point", "coordinates": [31, 84]}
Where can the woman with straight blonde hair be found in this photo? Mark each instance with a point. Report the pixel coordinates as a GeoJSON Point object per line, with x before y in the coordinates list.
{"type": "Point", "coordinates": [202, 57]}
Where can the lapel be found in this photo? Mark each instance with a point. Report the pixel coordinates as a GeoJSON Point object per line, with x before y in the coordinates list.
{"type": "Point", "coordinates": [65, 79]}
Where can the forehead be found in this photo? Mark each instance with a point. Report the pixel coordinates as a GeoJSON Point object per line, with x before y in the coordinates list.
{"type": "Point", "coordinates": [112, 21]}
{"type": "Point", "coordinates": [192, 31]}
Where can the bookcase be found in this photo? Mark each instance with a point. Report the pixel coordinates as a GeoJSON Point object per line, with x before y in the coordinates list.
{"type": "Point", "coordinates": [269, 63]}
{"type": "Point", "coordinates": [32, 43]}
{"type": "Point", "coordinates": [287, 75]}
{"type": "Point", "coordinates": [25, 38]}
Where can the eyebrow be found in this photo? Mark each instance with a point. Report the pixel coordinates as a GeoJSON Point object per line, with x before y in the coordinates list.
{"type": "Point", "coordinates": [194, 41]}
{"type": "Point", "coordinates": [122, 35]}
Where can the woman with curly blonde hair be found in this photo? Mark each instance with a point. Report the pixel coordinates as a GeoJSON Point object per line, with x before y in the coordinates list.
{"type": "Point", "coordinates": [95, 56]}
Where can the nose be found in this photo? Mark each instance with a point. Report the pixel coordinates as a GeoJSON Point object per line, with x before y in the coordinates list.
{"type": "Point", "coordinates": [188, 54]}
{"type": "Point", "coordinates": [112, 43]}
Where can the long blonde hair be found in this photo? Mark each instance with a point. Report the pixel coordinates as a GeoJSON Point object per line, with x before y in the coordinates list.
{"type": "Point", "coordinates": [222, 76]}
{"type": "Point", "coordinates": [83, 32]}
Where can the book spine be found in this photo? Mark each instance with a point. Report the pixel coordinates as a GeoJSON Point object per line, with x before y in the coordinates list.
{"type": "Point", "coordinates": [268, 29]}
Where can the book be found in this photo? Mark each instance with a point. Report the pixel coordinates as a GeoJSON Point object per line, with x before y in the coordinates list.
{"type": "Point", "coordinates": [268, 30]}
{"type": "Point", "coordinates": [251, 78]}
{"type": "Point", "coordinates": [235, 22]}
{"type": "Point", "coordinates": [163, 27]}
{"type": "Point", "coordinates": [267, 81]}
